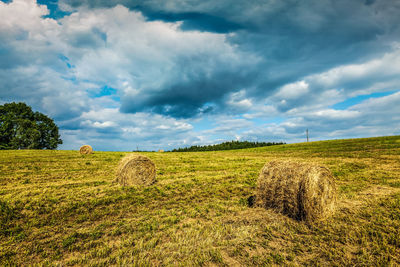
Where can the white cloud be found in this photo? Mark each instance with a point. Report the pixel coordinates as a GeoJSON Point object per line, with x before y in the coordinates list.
{"type": "Point", "coordinates": [56, 66]}
{"type": "Point", "coordinates": [293, 90]}
{"type": "Point", "coordinates": [388, 66]}
{"type": "Point", "coordinates": [330, 114]}
{"type": "Point", "coordinates": [148, 62]}
{"type": "Point", "coordinates": [321, 90]}
{"type": "Point", "coordinates": [385, 108]}
{"type": "Point", "coordinates": [238, 101]}
{"type": "Point", "coordinates": [127, 131]}
{"type": "Point", "coordinates": [143, 58]}
{"type": "Point", "coordinates": [23, 15]}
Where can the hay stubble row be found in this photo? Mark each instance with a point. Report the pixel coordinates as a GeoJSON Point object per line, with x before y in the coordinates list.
{"type": "Point", "coordinates": [66, 211]}
{"type": "Point", "coordinates": [302, 191]}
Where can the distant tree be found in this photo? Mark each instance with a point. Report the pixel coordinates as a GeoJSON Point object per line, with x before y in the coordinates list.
{"type": "Point", "coordinates": [21, 128]}
{"type": "Point", "coordinates": [227, 146]}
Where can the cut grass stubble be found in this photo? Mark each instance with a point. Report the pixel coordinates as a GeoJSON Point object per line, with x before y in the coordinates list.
{"type": "Point", "coordinates": [61, 208]}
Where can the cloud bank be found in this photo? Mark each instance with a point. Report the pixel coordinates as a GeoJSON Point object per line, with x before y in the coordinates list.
{"type": "Point", "coordinates": [156, 74]}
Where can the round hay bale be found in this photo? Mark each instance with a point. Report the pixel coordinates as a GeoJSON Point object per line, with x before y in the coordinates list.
{"type": "Point", "coordinates": [302, 191]}
{"type": "Point", "coordinates": [160, 150]}
{"type": "Point", "coordinates": [136, 170]}
{"type": "Point", "coordinates": [86, 149]}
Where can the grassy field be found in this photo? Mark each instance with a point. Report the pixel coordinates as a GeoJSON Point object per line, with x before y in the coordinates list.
{"type": "Point", "coordinates": [58, 207]}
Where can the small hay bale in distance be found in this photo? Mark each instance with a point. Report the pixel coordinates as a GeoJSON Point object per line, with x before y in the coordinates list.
{"type": "Point", "coordinates": [302, 191]}
{"type": "Point", "coordinates": [160, 150]}
{"type": "Point", "coordinates": [136, 170]}
{"type": "Point", "coordinates": [86, 149]}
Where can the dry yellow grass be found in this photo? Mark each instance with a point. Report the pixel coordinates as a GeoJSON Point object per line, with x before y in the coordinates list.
{"type": "Point", "coordinates": [61, 208]}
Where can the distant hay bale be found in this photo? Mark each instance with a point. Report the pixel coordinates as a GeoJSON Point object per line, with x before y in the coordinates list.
{"type": "Point", "coordinates": [160, 150]}
{"type": "Point", "coordinates": [86, 149]}
{"type": "Point", "coordinates": [302, 191]}
{"type": "Point", "coordinates": [136, 170]}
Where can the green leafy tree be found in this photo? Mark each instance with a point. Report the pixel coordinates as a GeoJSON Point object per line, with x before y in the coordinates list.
{"type": "Point", "coordinates": [21, 128]}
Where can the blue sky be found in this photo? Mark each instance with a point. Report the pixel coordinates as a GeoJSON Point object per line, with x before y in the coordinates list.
{"type": "Point", "coordinates": [157, 74]}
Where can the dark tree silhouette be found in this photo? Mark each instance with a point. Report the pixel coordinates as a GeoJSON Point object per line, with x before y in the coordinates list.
{"type": "Point", "coordinates": [21, 128]}
{"type": "Point", "coordinates": [227, 146]}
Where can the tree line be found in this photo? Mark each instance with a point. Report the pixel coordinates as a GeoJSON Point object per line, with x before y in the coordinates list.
{"type": "Point", "coordinates": [230, 145]}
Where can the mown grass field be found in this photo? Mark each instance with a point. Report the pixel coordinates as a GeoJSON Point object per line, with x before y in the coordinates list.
{"type": "Point", "coordinates": [58, 207]}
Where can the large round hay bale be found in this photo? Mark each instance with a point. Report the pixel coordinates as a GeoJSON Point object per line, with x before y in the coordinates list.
{"type": "Point", "coordinates": [86, 149]}
{"type": "Point", "coordinates": [303, 191]}
{"type": "Point", "coordinates": [136, 170]}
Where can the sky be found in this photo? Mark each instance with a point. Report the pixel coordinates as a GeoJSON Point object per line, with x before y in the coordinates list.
{"type": "Point", "coordinates": [153, 74]}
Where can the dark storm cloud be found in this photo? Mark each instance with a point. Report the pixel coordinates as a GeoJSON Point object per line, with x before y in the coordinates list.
{"type": "Point", "coordinates": [194, 21]}
{"type": "Point", "coordinates": [293, 39]}
{"type": "Point", "coordinates": [193, 18]}
{"type": "Point", "coordinates": [188, 99]}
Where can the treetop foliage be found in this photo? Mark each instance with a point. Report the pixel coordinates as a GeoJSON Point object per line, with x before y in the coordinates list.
{"type": "Point", "coordinates": [227, 146]}
{"type": "Point", "coordinates": [21, 128]}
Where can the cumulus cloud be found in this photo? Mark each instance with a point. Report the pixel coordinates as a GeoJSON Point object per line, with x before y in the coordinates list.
{"type": "Point", "coordinates": [60, 66]}
{"type": "Point", "coordinates": [155, 66]}
{"type": "Point", "coordinates": [109, 129]}
{"type": "Point", "coordinates": [372, 117]}
{"type": "Point", "coordinates": [321, 90]}
{"type": "Point", "coordinates": [293, 38]}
